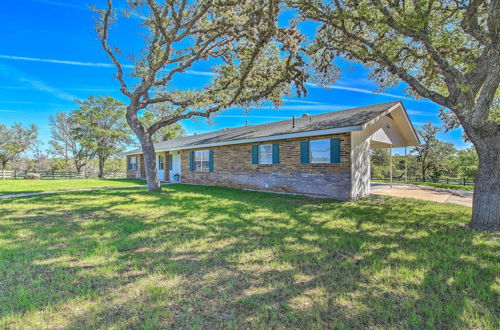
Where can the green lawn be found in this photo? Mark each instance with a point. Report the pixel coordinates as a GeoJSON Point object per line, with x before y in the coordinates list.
{"type": "Point", "coordinates": [432, 184]}
{"type": "Point", "coordinates": [27, 186]}
{"type": "Point", "coordinates": [204, 257]}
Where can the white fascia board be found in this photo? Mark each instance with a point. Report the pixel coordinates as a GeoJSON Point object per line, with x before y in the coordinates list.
{"type": "Point", "coordinates": [265, 138]}
{"type": "Point", "coordinates": [365, 125]}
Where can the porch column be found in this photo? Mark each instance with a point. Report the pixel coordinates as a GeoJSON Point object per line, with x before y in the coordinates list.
{"type": "Point", "coordinates": [165, 167]}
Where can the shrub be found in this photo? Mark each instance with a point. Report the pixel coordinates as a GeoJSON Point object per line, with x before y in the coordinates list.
{"type": "Point", "coordinates": [32, 176]}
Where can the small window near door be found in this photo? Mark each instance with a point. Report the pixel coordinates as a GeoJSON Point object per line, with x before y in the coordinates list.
{"type": "Point", "coordinates": [161, 164]}
{"type": "Point", "coordinates": [319, 151]}
{"type": "Point", "coordinates": [132, 163]}
{"type": "Point", "coordinates": [201, 161]}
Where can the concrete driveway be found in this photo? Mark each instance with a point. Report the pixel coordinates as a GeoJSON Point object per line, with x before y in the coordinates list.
{"type": "Point", "coordinates": [440, 195]}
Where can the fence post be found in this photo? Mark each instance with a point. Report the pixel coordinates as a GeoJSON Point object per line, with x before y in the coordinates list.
{"type": "Point", "coordinates": [15, 174]}
{"type": "Point", "coordinates": [464, 181]}
{"type": "Point", "coordinates": [53, 175]}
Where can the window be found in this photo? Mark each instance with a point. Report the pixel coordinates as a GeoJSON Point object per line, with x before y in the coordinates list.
{"type": "Point", "coordinates": [201, 161]}
{"type": "Point", "coordinates": [319, 151]}
{"type": "Point", "coordinates": [265, 154]}
{"type": "Point", "coordinates": [161, 164]}
{"type": "Point", "coordinates": [132, 163]}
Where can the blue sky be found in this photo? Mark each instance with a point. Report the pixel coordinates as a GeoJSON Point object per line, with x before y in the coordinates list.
{"type": "Point", "coordinates": [50, 56]}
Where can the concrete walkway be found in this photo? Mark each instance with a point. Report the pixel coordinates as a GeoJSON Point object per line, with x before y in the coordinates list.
{"type": "Point", "coordinates": [428, 193]}
{"type": "Point", "coordinates": [66, 191]}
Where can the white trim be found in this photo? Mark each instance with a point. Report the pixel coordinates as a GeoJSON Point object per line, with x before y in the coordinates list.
{"type": "Point", "coordinates": [365, 125]}
{"type": "Point", "coordinates": [260, 139]}
{"type": "Point", "coordinates": [394, 107]}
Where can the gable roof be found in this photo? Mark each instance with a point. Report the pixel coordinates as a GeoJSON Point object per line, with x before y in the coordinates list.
{"type": "Point", "coordinates": [327, 123]}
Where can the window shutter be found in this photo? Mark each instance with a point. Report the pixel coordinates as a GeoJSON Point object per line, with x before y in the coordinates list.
{"type": "Point", "coordinates": [255, 154]}
{"type": "Point", "coordinates": [170, 157]}
{"type": "Point", "coordinates": [210, 160]}
{"type": "Point", "coordinates": [335, 150]}
{"type": "Point", "coordinates": [191, 161]}
{"type": "Point", "coordinates": [128, 163]}
{"type": "Point", "coordinates": [304, 152]}
{"type": "Point", "coordinates": [276, 153]}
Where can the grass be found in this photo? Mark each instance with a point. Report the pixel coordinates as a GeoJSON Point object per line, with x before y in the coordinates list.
{"type": "Point", "coordinates": [205, 257]}
{"type": "Point", "coordinates": [19, 186]}
{"type": "Point", "coordinates": [432, 184]}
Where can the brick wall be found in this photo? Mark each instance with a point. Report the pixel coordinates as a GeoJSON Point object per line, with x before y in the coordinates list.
{"type": "Point", "coordinates": [140, 172]}
{"type": "Point", "coordinates": [233, 168]}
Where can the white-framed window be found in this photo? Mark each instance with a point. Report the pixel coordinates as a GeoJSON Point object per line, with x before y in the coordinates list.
{"type": "Point", "coordinates": [319, 151]}
{"type": "Point", "coordinates": [201, 161]}
{"type": "Point", "coordinates": [265, 154]}
{"type": "Point", "coordinates": [132, 163]}
{"type": "Point", "coordinates": [161, 164]}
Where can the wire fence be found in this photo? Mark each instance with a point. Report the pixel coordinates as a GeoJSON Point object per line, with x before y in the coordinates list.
{"type": "Point", "coordinates": [54, 175]}
{"type": "Point", "coordinates": [453, 181]}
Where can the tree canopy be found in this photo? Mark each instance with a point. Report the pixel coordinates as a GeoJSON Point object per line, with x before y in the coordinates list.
{"type": "Point", "coordinates": [256, 60]}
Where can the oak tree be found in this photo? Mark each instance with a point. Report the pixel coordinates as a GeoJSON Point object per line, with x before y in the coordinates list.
{"type": "Point", "coordinates": [254, 59]}
{"type": "Point", "coordinates": [446, 51]}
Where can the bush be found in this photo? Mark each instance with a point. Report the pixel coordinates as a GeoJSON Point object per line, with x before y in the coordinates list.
{"type": "Point", "coordinates": [32, 176]}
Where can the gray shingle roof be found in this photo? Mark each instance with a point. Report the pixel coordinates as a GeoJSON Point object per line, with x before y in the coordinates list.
{"type": "Point", "coordinates": [330, 120]}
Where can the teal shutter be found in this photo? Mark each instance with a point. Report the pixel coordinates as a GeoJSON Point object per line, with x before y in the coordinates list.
{"type": "Point", "coordinates": [170, 157]}
{"type": "Point", "coordinates": [335, 150]}
{"type": "Point", "coordinates": [255, 154]}
{"type": "Point", "coordinates": [304, 152]}
{"type": "Point", "coordinates": [128, 163]}
{"type": "Point", "coordinates": [210, 160]}
{"type": "Point", "coordinates": [276, 153]}
{"type": "Point", "coordinates": [191, 161]}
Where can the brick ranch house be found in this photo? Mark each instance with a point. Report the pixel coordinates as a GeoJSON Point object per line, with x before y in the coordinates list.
{"type": "Point", "coordinates": [324, 155]}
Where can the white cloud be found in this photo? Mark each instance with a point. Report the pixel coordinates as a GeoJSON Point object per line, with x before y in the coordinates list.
{"type": "Point", "coordinates": [8, 111]}
{"type": "Point", "coordinates": [309, 107]}
{"type": "Point", "coordinates": [362, 90]}
{"type": "Point", "coordinates": [251, 116]}
{"type": "Point", "coordinates": [34, 83]}
{"type": "Point", "coordinates": [90, 64]}
{"type": "Point", "coordinates": [62, 4]}
{"type": "Point", "coordinates": [421, 113]}
{"type": "Point", "coordinates": [44, 60]}
{"type": "Point", "coordinates": [301, 101]}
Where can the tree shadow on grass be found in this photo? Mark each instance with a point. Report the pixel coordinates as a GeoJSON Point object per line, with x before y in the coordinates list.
{"type": "Point", "coordinates": [213, 257]}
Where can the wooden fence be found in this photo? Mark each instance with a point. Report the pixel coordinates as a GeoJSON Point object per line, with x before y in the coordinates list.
{"type": "Point", "coordinates": [454, 181]}
{"type": "Point", "coordinates": [53, 175]}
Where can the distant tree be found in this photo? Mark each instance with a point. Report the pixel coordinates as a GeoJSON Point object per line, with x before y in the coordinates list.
{"type": "Point", "coordinates": [446, 51]}
{"type": "Point", "coordinates": [380, 157]}
{"type": "Point", "coordinates": [440, 160]}
{"type": "Point", "coordinates": [432, 155]}
{"type": "Point", "coordinates": [64, 143]}
{"type": "Point", "coordinates": [255, 59]}
{"type": "Point", "coordinates": [100, 127]}
{"type": "Point", "coordinates": [37, 159]}
{"type": "Point", "coordinates": [115, 166]}
{"type": "Point", "coordinates": [14, 141]}
{"type": "Point", "coordinates": [467, 162]}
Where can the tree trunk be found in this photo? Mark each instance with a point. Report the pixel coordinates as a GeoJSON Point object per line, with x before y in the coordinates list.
{"type": "Point", "coordinates": [486, 203]}
{"type": "Point", "coordinates": [149, 153]}
{"type": "Point", "coordinates": [148, 149]}
{"type": "Point", "coordinates": [101, 168]}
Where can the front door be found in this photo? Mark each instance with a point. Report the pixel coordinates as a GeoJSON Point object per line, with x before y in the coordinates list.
{"type": "Point", "coordinates": [160, 165]}
{"type": "Point", "coordinates": [175, 172]}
